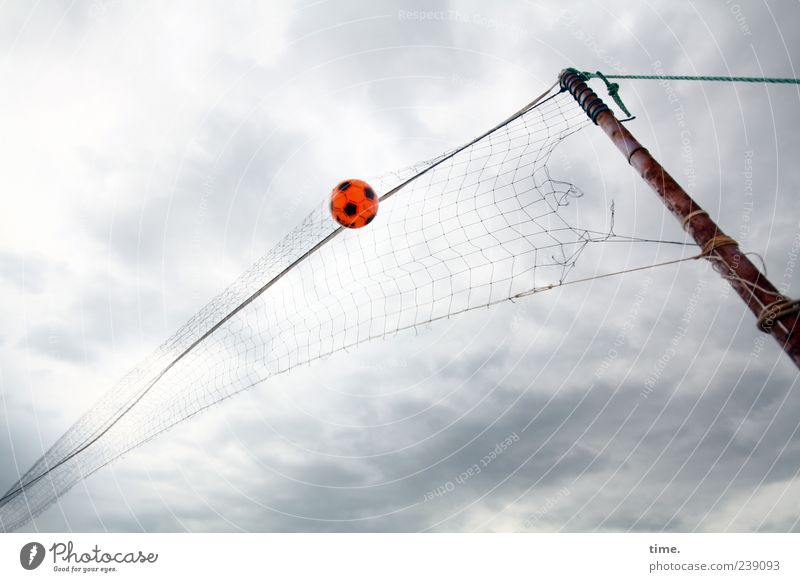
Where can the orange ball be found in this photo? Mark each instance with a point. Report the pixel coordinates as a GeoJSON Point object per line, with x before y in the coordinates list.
{"type": "Point", "coordinates": [353, 203]}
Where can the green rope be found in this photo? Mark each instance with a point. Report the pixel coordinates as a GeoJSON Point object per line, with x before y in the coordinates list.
{"type": "Point", "coordinates": [613, 88]}
{"type": "Point", "coordinates": [786, 80]}
{"type": "Point", "coordinates": [613, 91]}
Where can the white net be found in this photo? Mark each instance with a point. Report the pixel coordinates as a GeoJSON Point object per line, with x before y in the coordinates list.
{"type": "Point", "coordinates": [466, 230]}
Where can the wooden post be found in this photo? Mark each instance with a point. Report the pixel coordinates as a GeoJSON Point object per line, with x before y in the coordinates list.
{"type": "Point", "coordinates": [776, 315]}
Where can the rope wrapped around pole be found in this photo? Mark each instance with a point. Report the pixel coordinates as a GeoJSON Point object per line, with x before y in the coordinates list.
{"type": "Point", "coordinates": [775, 314]}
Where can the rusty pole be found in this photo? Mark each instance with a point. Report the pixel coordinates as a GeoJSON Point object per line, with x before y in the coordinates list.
{"type": "Point", "coordinates": [775, 314]}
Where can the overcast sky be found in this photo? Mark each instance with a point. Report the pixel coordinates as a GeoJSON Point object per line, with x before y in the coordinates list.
{"type": "Point", "coordinates": [152, 151]}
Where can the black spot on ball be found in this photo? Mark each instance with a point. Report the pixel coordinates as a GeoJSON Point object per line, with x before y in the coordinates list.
{"type": "Point", "coordinates": [344, 186]}
{"type": "Point", "coordinates": [369, 220]}
{"type": "Point", "coordinates": [350, 209]}
{"type": "Point", "coordinates": [370, 193]}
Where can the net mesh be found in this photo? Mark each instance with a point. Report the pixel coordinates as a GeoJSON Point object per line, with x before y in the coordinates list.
{"type": "Point", "coordinates": [475, 227]}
